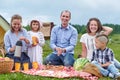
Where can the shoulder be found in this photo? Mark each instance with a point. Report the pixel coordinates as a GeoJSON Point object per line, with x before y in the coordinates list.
{"type": "Point", "coordinates": [8, 32]}
{"type": "Point", "coordinates": [24, 30]}
{"type": "Point", "coordinates": [56, 27]}
{"type": "Point", "coordinates": [109, 49]}
{"type": "Point", "coordinates": [85, 35]}
{"type": "Point", "coordinates": [71, 27]}
{"type": "Point", "coordinates": [96, 51]}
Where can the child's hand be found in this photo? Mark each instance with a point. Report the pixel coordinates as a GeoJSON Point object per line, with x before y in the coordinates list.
{"type": "Point", "coordinates": [37, 40]}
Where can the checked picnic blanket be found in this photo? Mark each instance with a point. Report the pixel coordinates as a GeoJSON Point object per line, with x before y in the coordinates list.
{"type": "Point", "coordinates": [60, 72]}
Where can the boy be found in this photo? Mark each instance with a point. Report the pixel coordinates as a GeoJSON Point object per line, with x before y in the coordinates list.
{"type": "Point", "coordinates": [103, 57]}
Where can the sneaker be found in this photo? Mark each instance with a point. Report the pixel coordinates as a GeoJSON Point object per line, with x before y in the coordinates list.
{"type": "Point", "coordinates": [111, 75]}
{"type": "Point", "coordinates": [117, 76]}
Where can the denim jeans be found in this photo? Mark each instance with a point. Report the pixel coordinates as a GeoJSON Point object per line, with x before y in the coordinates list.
{"type": "Point", "coordinates": [23, 59]}
{"type": "Point", "coordinates": [54, 59]}
{"type": "Point", "coordinates": [116, 63]}
{"type": "Point", "coordinates": [110, 69]}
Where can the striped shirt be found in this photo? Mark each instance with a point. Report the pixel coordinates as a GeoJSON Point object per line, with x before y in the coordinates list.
{"type": "Point", "coordinates": [103, 56]}
{"type": "Point", "coordinates": [11, 38]}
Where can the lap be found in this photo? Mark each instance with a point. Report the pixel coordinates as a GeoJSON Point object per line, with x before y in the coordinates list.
{"type": "Point", "coordinates": [54, 59]}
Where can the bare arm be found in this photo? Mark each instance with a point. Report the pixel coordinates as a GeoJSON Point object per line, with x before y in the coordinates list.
{"type": "Point", "coordinates": [84, 50]}
{"type": "Point", "coordinates": [106, 64]}
{"type": "Point", "coordinates": [107, 30]}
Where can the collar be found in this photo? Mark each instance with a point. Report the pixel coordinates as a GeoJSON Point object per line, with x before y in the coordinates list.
{"type": "Point", "coordinates": [65, 28]}
{"type": "Point", "coordinates": [102, 50]}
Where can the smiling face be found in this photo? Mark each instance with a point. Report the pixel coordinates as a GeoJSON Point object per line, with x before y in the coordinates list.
{"type": "Point", "coordinates": [35, 26]}
{"type": "Point", "coordinates": [65, 18]}
{"type": "Point", "coordinates": [93, 26]}
{"type": "Point", "coordinates": [16, 25]}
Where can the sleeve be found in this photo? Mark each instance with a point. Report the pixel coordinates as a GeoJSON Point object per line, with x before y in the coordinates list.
{"type": "Point", "coordinates": [53, 38]}
{"type": "Point", "coordinates": [41, 39]}
{"type": "Point", "coordinates": [27, 36]}
{"type": "Point", "coordinates": [73, 41]}
{"type": "Point", "coordinates": [110, 55]}
{"type": "Point", "coordinates": [7, 42]}
{"type": "Point", "coordinates": [82, 39]}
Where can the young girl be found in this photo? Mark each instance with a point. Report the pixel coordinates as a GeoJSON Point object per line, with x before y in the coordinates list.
{"type": "Point", "coordinates": [15, 41]}
{"type": "Point", "coordinates": [35, 50]}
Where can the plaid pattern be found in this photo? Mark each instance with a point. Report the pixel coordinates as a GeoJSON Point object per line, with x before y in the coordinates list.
{"type": "Point", "coordinates": [103, 56]}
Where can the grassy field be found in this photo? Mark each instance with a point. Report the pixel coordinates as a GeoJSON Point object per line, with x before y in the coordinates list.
{"type": "Point", "coordinates": [114, 44]}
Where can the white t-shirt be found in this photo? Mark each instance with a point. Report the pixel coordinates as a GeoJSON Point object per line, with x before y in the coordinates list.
{"type": "Point", "coordinates": [89, 42]}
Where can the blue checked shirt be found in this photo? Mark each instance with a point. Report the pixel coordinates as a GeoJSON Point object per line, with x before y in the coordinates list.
{"type": "Point", "coordinates": [103, 56]}
{"type": "Point", "coordinates": [64, 38]}
{"type": "Point", "coordinates": [11, 38]}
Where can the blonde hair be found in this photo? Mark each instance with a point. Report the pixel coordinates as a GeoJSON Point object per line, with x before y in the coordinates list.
{"type": "Point", "coordinates": [102, 38]}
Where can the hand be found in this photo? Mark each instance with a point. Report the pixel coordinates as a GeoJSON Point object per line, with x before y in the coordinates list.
{"type": "Point", "coordinates": [37, 40]}
{"type": "Point", "coordinates": [12, 49]}
{"type": "Point", "coordinates": [59, 50]}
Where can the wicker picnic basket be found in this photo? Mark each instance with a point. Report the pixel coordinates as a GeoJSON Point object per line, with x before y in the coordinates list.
{"type": "Point", "coordinates": [5, 65]}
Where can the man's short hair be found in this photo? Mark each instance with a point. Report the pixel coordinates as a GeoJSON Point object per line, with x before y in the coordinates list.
{"type": "Point", "coordinates": [66, 11]}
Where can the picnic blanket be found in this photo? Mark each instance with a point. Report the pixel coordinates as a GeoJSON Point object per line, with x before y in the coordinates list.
{"type": "Point", "coordinates": [60, 72]}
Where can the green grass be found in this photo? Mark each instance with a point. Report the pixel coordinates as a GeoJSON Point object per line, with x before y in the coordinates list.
{"type": "Point", "coordinates": [114, 45]}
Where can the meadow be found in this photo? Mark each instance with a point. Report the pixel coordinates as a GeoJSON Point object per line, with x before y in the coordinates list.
{"type": "Point", "coordinates": [114, 44]}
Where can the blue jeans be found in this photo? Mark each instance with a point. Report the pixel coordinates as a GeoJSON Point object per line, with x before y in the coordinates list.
{"type": "Point", "coordinates": [54, 59]}
{"type": "Point", "coordinates": [23, 59]}
{"type": "Point", "coordinates": [116, 63]}
{"type": "Point", "coordinates": [105, 71]}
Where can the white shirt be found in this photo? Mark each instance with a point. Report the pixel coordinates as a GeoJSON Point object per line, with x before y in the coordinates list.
{"type": "Point", "coordinates": [89, 42]}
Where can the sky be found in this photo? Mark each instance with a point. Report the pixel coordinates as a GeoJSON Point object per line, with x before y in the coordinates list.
{"type": "Point", "coordinates": [108, 11]}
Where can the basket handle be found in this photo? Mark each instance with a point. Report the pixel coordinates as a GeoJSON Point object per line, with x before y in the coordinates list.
{"type": "Point", "coordinates": [2, 52]}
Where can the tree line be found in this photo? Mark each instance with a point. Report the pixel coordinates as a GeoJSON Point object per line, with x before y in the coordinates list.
{"type": "Point", "coordinates": [82, 28]}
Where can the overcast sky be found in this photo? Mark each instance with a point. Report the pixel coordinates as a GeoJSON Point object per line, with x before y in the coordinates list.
{"type": "Point", "coordinates": [108, 11]}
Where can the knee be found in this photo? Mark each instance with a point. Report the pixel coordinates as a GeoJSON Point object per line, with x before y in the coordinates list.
{"type": "Point", "coordinates": [111, 66]}
{"type": "Point", "coordinates": [68, 62]}
{"type": "Point", "coordinates": [46, 60]}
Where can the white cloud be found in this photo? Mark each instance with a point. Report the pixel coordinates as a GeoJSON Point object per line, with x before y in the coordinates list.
{"type": "Point", "coordinates": [49, 10]}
